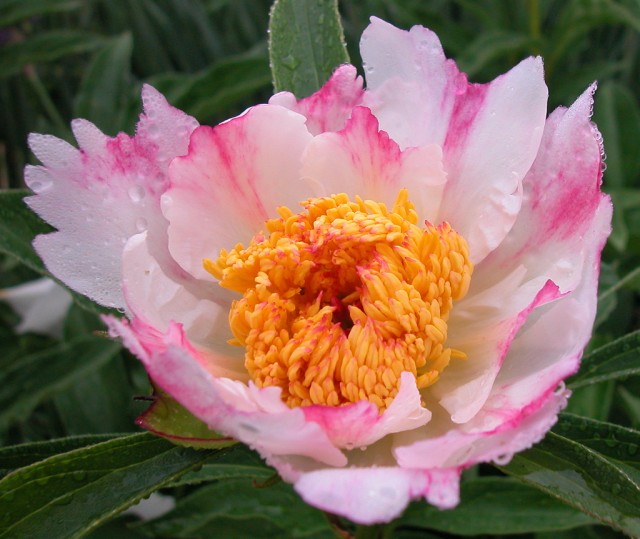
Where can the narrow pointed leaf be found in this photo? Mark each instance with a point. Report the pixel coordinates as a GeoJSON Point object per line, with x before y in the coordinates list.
{"type": "Point", "coordinates": [34, 378]}
{"type": "Point", "coordinates": [106, 85]}
{"type": "Point", "coordinates": [18, 456]}
{"type": "Point", "coordinates": [67, 495]}
{"type": "Point", "coordinates": [237, 462]}
{"type": "Point", "coordinates": [16, 10]}
{"type": "Point", "coordinates": [496, 506]}
{"type": "Point", "coordinates": [585, 474]}
{"type": "Point", "coordinates": [240, 510]}
{"type": "Point", "coordinates": [306, 44]}
{"type": "Point", "coordinates": [18, 226]}
{"type": "Point", "coordinates": [45, 47]}
{"type": "Point", "coordinates": [210, 93]}
{"type": "Point", "coordinates": [617, 359]}
{"type": "Point", "coordinates": [613, 441]}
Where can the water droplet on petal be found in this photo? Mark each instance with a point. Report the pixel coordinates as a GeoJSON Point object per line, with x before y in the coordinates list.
{"type": "Point", "coordinates": [141, 224]}
{"type": "Point", "coordinates": [136, 193]}
{"type": "Point", "coordinates": [40, 185]}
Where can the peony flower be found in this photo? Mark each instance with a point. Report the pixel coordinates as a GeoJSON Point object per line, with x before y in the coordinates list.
{"type": "Point", "coordinates": [374, 289]}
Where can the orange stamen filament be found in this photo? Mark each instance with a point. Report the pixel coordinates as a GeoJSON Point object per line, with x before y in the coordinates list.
{"type": "Point", "coordinates": [340, 299]}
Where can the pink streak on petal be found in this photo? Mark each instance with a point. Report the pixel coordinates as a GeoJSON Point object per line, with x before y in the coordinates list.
{"type": "Point", "coordinates": [234, 177]}
{"type": "Point", "coordinates": [102, 194]}
{"type": "Point", "coordinates": [528, 392]}
{"type": "Point", "coordinates": [362, 160]}
{"type": "Point", "coordinates": [489, 133]}
{"type": "Point", "coordinates": [329, 108]}
{"type": "Point", "coordinates": [459, 448]}
{"type": "Point", "coordinates": [412, 86]}
{"type": "Point", "coordinates": [374, 495]}
{"type": "Point", "coordinates": [227, 406]}
{"type": "Point", "coordinates": [561, 194]}
{"type": "Point", "coordinates": [492, 141]}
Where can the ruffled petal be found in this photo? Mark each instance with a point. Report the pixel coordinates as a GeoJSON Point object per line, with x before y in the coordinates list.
{"type": "Point", "coordinates": [362, 161]}
{"type": "Point", "coordinates": [373, 495]}
{"type": "Point", "coordinates": [462, 448]}
{"type": "Point", "coordinates": [549, 243]}
{"type": "Point", "coordinates": [233, 179]}
{"type": "Point", "coordinates": [255, 417]}
{"type": "Point", "coordinates": [329, 108]}
{"type": "Point", "coordinates": [561, 196]}
{"type": "Point", "coordinates": [527, 393]}
{"type": "Point", "coordinates": [489, 133]}
{"type": "Point", "coordinates": [361, 424]}
{"type": "Point", "coordinates": [102, 194]}
{"type": "Point", "coordinates": [412, 87]}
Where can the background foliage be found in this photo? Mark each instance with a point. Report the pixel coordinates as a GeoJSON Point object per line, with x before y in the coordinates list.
{"type": "Point", "coordinates": [61, 59]}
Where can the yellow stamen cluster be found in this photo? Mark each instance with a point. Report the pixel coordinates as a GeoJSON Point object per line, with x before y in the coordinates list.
{"type": "Point", "coordinates": [339, 299]}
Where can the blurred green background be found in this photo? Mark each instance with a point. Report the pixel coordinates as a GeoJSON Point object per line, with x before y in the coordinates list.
{"type": "Point", "coordinates": [62, 59]}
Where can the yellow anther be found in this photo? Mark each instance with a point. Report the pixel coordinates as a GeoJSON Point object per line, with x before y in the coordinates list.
{"type": "Point", "coordinates": [340, 299]}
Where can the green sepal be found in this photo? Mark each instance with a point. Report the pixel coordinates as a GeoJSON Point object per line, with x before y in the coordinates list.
{"type": "Point", "coordinates": [169, 419]}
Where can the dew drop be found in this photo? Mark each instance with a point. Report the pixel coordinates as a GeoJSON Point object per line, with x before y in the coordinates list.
{"type": "Point", "coordinates": [64, 500]}
{"type": "Point", "coordinates": [79, 475]}
{"type": "Point", "coordinates": [290, 62]}
{"type": "Point", "coordinates": [136, 194]}
{"type": "Point", "coordinates": [141, 224]}
{"type": "Point", "coordinates": [38, 186]}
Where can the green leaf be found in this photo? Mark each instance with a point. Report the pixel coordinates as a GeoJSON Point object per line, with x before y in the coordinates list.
{"type": "Point", "coordinates": [45, 47]}
{"type": "Point", "coordinates": [100, 401]}
{"type": "Point", "coordinates": [16, 10]}
{"type": "Point", "coordinates": [493, 505]}
{"type": "Point", "coordinates": [236, 462]}
{"type": "Point", "coordinates": [210, 93]}
{"type": "Point", "coordinates": [306, 44]}
{"type": "Point", "coordinates": [67, 495]}
{"type": "Point", "coordinates": [585, 473]}
{"type": "Point", "coordinates": [593, 401]}
{"type": "Point", "coordinates": [613, 441]}
{"type": "Point", "coordinates": [106, 84]}
{"type": "Point", "coordinates": [167, 418]}
{"type": "Point", "coordinates": [617, 359]}
{"type": "Point", "coordinates": [18, 226]}
{"type": "Point", "coordinates": [240, 510]}
{"type": "Point", "coordinates": [34, 378]}
{"type": "Point", "coordinates": [491, 45]}
{"type": "Point", "coordinates": [17, 456]}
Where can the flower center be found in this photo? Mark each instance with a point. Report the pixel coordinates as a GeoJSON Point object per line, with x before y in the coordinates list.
{"type": "Point", "coordinates": [340, 299]}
